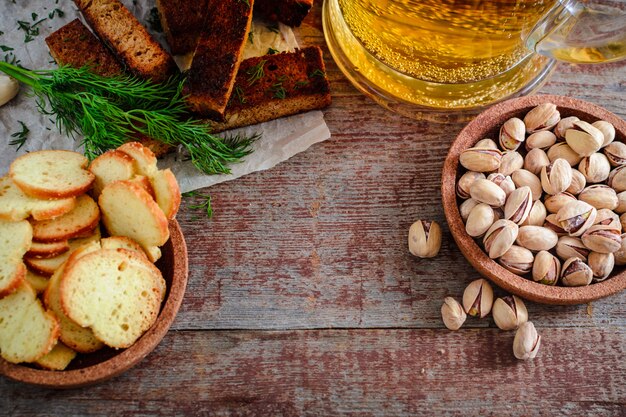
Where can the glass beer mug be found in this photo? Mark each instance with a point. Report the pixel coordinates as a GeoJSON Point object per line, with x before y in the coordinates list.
{"type": "Point", "coordinates": [440, 59]}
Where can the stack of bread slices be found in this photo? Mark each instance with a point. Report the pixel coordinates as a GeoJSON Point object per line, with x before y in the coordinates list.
{"type": "Point", "coordinates": [66, 286]}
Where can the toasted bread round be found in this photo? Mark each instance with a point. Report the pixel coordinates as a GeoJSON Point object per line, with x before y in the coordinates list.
{"type": "Point", "coordinates": [15, 205]}
{"type": "Point", "coordinates": [47, 249]}
{"type": "Point", "coordinates": [111, 166]}
{"type": "Point", "coordinates": [144, 182]}
{"type": "Point", "coordinates": [122, 242]}
{"type": "Point", "coordinates": [84, 217]}
{"type": "Point", "coordinates": [144, 159]}
{"type": "Point", "coordinates": [39, 283]}
{"type": "Point", "coordinates": [51, 174]}
{"type": "Point", "coordinates": [167, 192]}
{"type": "Point", "coordinates": [15, 240]}
{"type": "Point", "coordinates": [58, 358]}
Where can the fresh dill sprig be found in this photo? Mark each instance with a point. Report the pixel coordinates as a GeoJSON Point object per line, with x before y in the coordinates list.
{"type": "Point", "coordinates": [246, 2]}
{"type": "Point", "coordinates": [240, 94]}
{"type": "Point", "coordinates": [251, 37]}
{"type": "Point", "coordinates": [20, 137]}
{"type": "Point", "coordinates": [30, 29]}
{"type": "Point", "coordinates": [272, 51]}
{"type": "Point", "coordinates": [300, 84]}
{"type": "Point", "coordinates": [256, 72]}
{"type": "Point", "coordinates": [317, 73]}
{"type": "Point", "coordinates": [204, 205]}
{"type": "Point", "coordinates": [273, 28]}
{"type": "Point", "coordinates": [109, 111]}
{"type": "Point", "coordinates": [278, 89]}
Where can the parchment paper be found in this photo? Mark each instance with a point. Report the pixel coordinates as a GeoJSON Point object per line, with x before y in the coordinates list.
{"type": "Point", "coordinates": [280, 140]}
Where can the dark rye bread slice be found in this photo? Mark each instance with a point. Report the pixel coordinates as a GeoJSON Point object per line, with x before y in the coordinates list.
{"type": "Point", "coordinates": [128, 39]}
{"type": "Point", "coordinates": [76, 46]}
{"type": "Point", "coordinates": [274, 86]}
{"type": "Point", "coordinates": [289, 12]}
{"type": "Point", "coordinates": [217, 57]}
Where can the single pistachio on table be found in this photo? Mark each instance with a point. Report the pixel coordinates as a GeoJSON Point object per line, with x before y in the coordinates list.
{"type": "Point", "coordinates": [518, 260]}
{"type": "Point", "coordinates": [563, 125]}
{"type": "Point", "coordinates": [512, 134]}
{"type": "Point", "coordinates": [535, 160]}
{"type": "Point", "coordinates": [487, 192]}
{"type": "Point", "coordinates": [601, 265]}
{"type": "Point", "coordinates": [425, 238]}
{"type": "Point", "coordinates": [571, 247]}
{"type": "Point", "coordinates": [600, 196]}
{"type": "Point", "coordinates": [522, 177]}
{"type": "Point", "coordinates": [479, 220]}
{"type": "Point", "coordinates": [553, 224]}
{"type": "Point", "coordinates": [543, 117]}
{"type": "Point", "coordinates": [478, 298]}
{"type": "Point", "coordinates": [607, 129]}
{"type": "Point", "coordinates": [576, 273]}
{"type": "Point", "coordinates": [595, 168]}
{"type": "Point", "coordinates": [511, 162]}
{"type": "Point", "coordinates": [578, 182]}
{"type": "Point", "coordinates": [606, 217]}
{"type": "Point", "coordinates": [500, 237]}
{"type": "Point", "coordinates": [537, 216]}
{"type": "Point", "coordinates": [617, 179]}
{"type": "Point", "coordinates": [554, 203]}
{"type": "Point", "coordinates": [620, 255]}
{"type": "Point", "coordinates": [509, 312]}
{"type": "Point", "coordinates": [526, 342]}
{"type": "Point", "coordinates": [536, 238]}
{"type": "Point", "coordinates": [466, 208]}
{"type": "Point", "coordinates": [621, 203]}
{"type": "Point", "coordinates": [481, 159]}
{"type": "Point", "coordinates": [452, 313]}
{"type": "Point", "coordinates": [616, 153]}
{"type": "Point", "coordinates": [563, 150]}
{"type": "Point", "coordinates": [584, 139]}
{"type": "Point", "coordinates": [486, 143]}
{"type": "Point", "coordinates": [603, 239]}
{"type": "Point", "coordinates": [464, 183]}
{"type": "Point", "coordinates": [502, 181]}
{"type": "Point", "coordinates": [576, 217]}
{"type": "Point", "coordinates": [546, 268]}
{"type": "Point", "coordinates": [556, 177]}
{"type": "Point", "coordinates": [518, 205]}
{"type": "Point", "coordinates": [540, 140]}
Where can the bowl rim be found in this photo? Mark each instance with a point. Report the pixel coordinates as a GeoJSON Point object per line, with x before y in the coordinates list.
{"type": "Point", "coordinates": [128, 358]}
{"type": "Point", "coordinates": [515, 284]}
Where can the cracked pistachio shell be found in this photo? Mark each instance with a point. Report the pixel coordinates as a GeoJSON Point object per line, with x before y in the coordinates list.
{"type": "Point", "coordinates": [601, 265]}
{"type": "Point", "coordinates": [509, 312]}
{"type": "Point", "coordinates": [563, 125]}
{"type": "Point", "coordinates": [556, 177]}
{"type": "Point", "coordinates": [479, 220]}
{"type": "Point", "coordinates": [578, 182]}
{"type": "Point", "coordinates": [511, 162]}
{"type": "Point", "coordinates": [606, 217]}
{"type": "Point", "coordinates": [616, 153]}
{"type": "Point", "coordinates": [603, 239]}
{"type": "Point", "coordinates": [622, 220]}
{"type": "Point", "coordinates": [478, 298]}
{"type": "Point", "coordinates": [617, 179]}
{"type": "Point", "coordinates": [535, 160]}
{"type": "Point", "coordinates": [536, 238]}
{"type": "Point", "coordinates": [512, 134]}
{"type": "Point", "coordinates": [425, 238]}
{"type": "Point", "coordinates": [584, 139]}
{"type": "Point", "coordinates": [487, 192]}
{"type": "Point", "coordinates": [537, 216]}
{"type": "Point", "coordinates": [600, 196]}
{"type": "Point", "coordinates": [553, 224]}
{"type": "Point", "coordinates": [466, 207]}
{"type": "Point", "coordinates": [562, 150]}
{"type": "Point", "coordinates": [526, 342]}
{"type": "Point", "coordinates": [502, 181]}
{"type": "Point", "coordinates": [522, 177]}
{"type": "Point", "coordinates": [518, 260]}
{"type": "Point", "coordinates": [540, 140]}
{"type": "Point", "coordinates": [500, 237]}
{"type": "Point", "coordinates": [554, 203]}
{"type": "Point", "coordinates": [518, 205]}
{"type": "Point", "coordinates": [498, 213]}
{"type": "Point", "coordinates": [486, 143]}
{"type": "Point", "coordinates": [576, 217]}
{"type": "Point", "coordinates": [595, 168]}
{"type": "Point", "coordinates": [481, 159]}
{"type": "Point", "coordinates": [546, 268]}
{"type": "Point", "coordinates": [452, 313]}
{"type": "Point", "coordinates": [576, 273]}
{"type": "Point", "coordinates": [621, 203]}
{"type": "Point", "coordinates": [543, 117]}
{"type": "Point", "coordinates": [464, 183]}
{"type": "Point", "coordinates": [620, 255]}
{"type": "Point", "coordinates": [571, 247]}
{"type": "Point", "coordinates": [607, 129]}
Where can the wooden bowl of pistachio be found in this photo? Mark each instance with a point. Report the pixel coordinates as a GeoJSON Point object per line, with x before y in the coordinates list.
{"type": "Point", "coordinates": [534, 192]}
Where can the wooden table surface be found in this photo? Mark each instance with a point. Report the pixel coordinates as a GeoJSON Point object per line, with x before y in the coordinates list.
{"type": "Point", "coordinates": [304, 300]}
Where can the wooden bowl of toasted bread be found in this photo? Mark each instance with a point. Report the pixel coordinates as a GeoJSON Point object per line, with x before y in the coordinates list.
{"type": "Point", "coordinates": [88, 369]}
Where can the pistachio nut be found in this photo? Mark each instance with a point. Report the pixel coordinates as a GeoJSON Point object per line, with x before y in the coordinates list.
{"type": "Point", "coordinates": [466, 207]}
{"type": "Point", "coordinates": [562, 150]}
{"type": "Point", "coordinates": [556, 177]}
{"type": "Point", "coordinates": [536, 238]}
{"type": "Point", "coordinates": [479, 220]}
{"type": "Point", "coordinates": [578, 182]}
{"type": "Point", "coordinates": [498, 213]}
{"type": "Point", "coordinates": [595, 168]}
{"type": "Point", "coordinates": [621, 203]}
{"type": "Point", "coordinates": [535, 160]}
{"type": "Point", "coordinates": [607, 129]}
{"type": "Point", "coordinates": [576, 217]}
{"type": "Point", "coordinates": [554, 203]}
{"type": "Point", "coordinates": [480, 159]}
{"type": "Point", "coordinates": [603, 239]}
{"type": "Point", "coordinates": [546, 268]}
{"type": "Point", "coordinates": [600, 196]}
{"type": "Point", "coordinates": [452, 313]}
{"type": "Point", "coordinates": [487, 192]}
{"type": "Point", "coordinates": [576, 273]}
{"type": "Point", "coordinates": [509, 312]}
{"type": "Point", "coordinates": [512, 134]}
{"type": "Point", "coordinates": [620, 255]}
{"type": "Point", "coordinates": [518, 205]}
{"type": "Point", "coordinates": [464, 183]}
{"type": "Point", "coordinates": [502, 181]}
{"type": "Point", "coordinates": [553, 224]}
{"type": "Point", "coordinates": [543, 117]}
{"type": "Point", "coordinates": [601, 265]}
{"type": "Point", "coordinates": [616, 153]}
{"type": "Point", "coordinates": [500, 237]}
{"type": "Point", "coordinates": [526, 342]}
{"type": "Point", "coordinates": [571, 247]}
{"type": "Point", "coordinates": [478, 298]}
{"type": "Point", "coordinates": [518, 260]}
{"type": "Point", "coordinates": [522, 177]}
{"type": "Point", "coordinates": [617, 179]}
{"type": "Point", "coordinates": [486, 143]}
{"type": "Point", "coordinates": [425, 238]}
{"type": "Point", "coordinates": [584, 139]}
{"type": "Point", "coordinates": [541, 140]}
{"type": "Point", "coordinates": [564, 124]}
{"type": "Point", "coordinates": [537, 216]}
{"type": "Point", "coordinates": [511, 162]}
{"type": "Point", "coordinates": [622, 220]}
{"type": "Point", "coordinates": [606, 217]}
